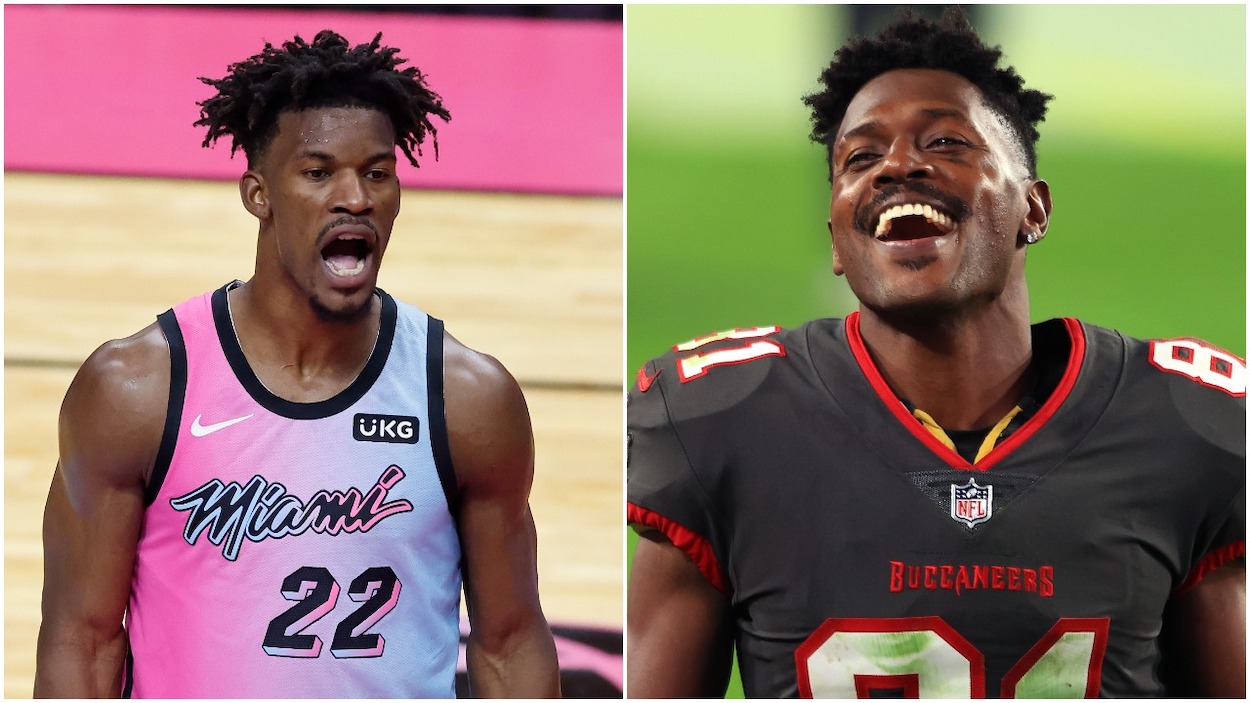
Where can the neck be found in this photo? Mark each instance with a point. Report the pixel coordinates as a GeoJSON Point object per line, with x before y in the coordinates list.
{"type": "Point", "coordinates": [293, 351]}
{"type": "Point", "coordinates": [966, 370]}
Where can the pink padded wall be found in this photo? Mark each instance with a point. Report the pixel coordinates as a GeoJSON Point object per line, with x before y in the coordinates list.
{"type": "Point", "coordinates": [536, 104]}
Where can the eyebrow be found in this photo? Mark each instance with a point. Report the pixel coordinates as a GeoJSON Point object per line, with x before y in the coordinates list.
{"type": "Point", "coordinates": [314, 154]}
{"type": "Point", "coordinates": [936, 113]}
{"type": "Point", "coordinates": [326, 156]}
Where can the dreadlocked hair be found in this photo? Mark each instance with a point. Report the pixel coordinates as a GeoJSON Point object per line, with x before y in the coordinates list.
{"type": "Point", "coordinates": [910, 41]}
{"type": "Point", "coordinates": [326, 73]}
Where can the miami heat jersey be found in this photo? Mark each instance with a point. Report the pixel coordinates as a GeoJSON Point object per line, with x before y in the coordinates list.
{"type": "Point", "coordinates": [298, 550]}
{"type": "Point", "coordinates": [863, 557]}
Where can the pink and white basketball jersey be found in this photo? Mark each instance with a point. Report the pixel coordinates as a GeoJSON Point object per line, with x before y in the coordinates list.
{"type": "Point", "coordinates": [298, 550]}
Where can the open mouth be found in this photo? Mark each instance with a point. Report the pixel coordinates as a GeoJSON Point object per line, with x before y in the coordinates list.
{"type": "Point", "coordinates": [346, 255]}
{"type": "Point", "coordinates": [912, 221]}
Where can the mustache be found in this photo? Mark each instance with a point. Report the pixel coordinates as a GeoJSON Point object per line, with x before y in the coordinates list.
{"type": "Point", "coordinates": [952, 205]}
{"type": "Point", "coordinates": [346, 220]}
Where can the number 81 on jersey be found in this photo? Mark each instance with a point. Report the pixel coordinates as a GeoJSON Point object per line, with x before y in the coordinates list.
{"type": "Point", "coordinates": [924, 657]}
{"type": "Point", "coordinates": [1201, 362]}
{"type": "Point", "coordinates": [696, 365]}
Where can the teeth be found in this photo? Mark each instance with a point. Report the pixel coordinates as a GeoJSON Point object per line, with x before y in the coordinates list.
{"type": "Point", "coordinates": [934, 217]}
{"type": "Point", "coordinates": [360, 266]}
{"type": "Point", "coordinates": [337, 263]}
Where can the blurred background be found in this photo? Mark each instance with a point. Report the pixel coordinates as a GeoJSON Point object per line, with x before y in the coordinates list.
{"type": "Point", "coordinates": [113, 213]}
{"type": "Point", "coordinates": [1143, 148]}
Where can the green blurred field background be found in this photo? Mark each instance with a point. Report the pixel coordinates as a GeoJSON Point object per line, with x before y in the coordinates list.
{"type": "Point", "coordinates": [1144, 150]}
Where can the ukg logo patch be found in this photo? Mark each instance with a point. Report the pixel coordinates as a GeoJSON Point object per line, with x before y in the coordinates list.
{"type": "Point", "coordinates": [396, 429]}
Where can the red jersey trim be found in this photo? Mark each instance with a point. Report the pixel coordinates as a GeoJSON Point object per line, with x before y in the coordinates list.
{"type": "Point", "coordinates": [692, 544]}
{"type": "Point", "coordinates": [1211, 562]}
{"type": "Point", "coordinates": [1076, 356]}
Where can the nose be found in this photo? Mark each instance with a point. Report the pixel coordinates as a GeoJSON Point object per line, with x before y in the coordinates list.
{"type": "Point", "coordinates": [351, 195]}
{"type": "Point", "coordinates": [902, 162]}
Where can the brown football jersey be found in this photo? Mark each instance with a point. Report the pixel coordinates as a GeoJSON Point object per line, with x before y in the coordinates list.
{"type": "Point", "coordinates": [861, 556]}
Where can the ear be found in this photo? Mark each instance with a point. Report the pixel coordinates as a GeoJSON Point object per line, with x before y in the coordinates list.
{"type": "Point", "coordinates": [837, 263]}
{"type": "Point", "coordinates": [1037, 220]}
{"type": "Point", "coordinates": [254, 194]}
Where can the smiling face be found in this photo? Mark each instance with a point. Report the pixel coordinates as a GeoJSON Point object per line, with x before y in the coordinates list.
{"type": "Point", "coordinates": [931, 197]}
{"type": "Point", "coordinates": [327, 195]}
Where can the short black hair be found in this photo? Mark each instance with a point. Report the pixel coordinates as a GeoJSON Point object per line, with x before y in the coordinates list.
{"type": "Point", "coordinates": [910, 41]}
{"type": "Point", "coordinates": [326, 73]}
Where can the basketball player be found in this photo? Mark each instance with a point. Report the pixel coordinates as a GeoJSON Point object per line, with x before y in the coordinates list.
{"type": "Point", "coordinates": [931, 497]}
{"type": "Point", "coordinates": [278, 484]}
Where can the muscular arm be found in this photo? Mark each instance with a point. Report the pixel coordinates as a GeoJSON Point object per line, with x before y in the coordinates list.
{"type": "Point", "coordinates": [1205, 636]}
{"type": "Point", "coordinates": [680, 631]}
{"type": "Point", "coordinates": [110, 428]}
{"type": "Point", "coordinates": [510, 649]}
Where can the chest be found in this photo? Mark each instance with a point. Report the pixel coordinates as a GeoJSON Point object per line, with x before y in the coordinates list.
{"type": "Point", "coordinates": [854, 551]}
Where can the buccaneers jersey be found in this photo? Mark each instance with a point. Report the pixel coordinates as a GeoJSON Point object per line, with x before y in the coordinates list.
{"type": "Point", "coordinates": [862, 555]}
{"type": "Point", "coordinates": [298, 550]}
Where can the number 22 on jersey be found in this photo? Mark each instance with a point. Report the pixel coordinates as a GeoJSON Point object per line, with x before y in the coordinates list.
{"type": "Point", "coordinates": [315, 592]}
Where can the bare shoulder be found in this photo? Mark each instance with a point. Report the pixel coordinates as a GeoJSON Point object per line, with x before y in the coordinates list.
{"type": "Point", "coordinates": [488, 423]}
{"type": "Point", "coordinates": [113, 414]}
{"type": "Point", "coordinates": [475, 376]}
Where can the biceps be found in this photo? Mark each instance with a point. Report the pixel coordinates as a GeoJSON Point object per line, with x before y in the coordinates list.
{"type": "Point", "coordinates": [680, 632]}
{"type": "Point", "coordinates": [500, 557]}
{"type": "Point", "coordinates": [1205, 635]}
{"type": "Point", "coordinates": [89, 549]}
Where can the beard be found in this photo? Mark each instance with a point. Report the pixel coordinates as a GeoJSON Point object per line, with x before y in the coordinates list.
{"type": "Point", "coordinates": [342, 315]}
{"type": "Point", "coordinates": [980, 279]}
{"type": "Point", "coordinates": [906, 312]}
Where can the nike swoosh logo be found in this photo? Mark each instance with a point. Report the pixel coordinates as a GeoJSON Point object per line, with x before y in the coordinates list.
{"type": "Point", "coordinates": [645, 381]}
{"type": "Point", "coordinates": [198, 430]}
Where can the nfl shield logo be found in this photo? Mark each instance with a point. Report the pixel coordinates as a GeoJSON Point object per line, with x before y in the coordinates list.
{"type": "Point", "coordinates": [972, 504]}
